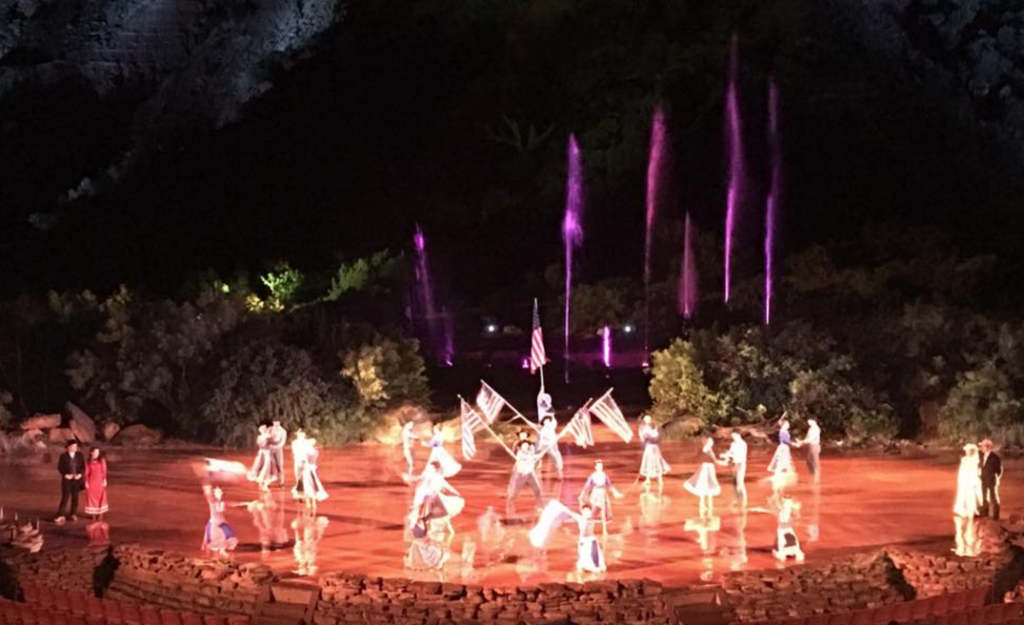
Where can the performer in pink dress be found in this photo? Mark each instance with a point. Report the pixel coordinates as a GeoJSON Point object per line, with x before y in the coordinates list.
{"type": "Point", "coordinates": [96, 485]}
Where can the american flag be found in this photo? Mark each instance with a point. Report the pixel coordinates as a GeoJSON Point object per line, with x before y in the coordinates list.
{"type": "Point", "coordinates": [471, 422]}
{"type": "Point", "coordinates": [579, 427]}
{"type": "Point", "coordinates": [608, 411]}
{"type": "Point", "coordinates": [490, 402]}
{"type": "Point", "coordinates": [538, 358]}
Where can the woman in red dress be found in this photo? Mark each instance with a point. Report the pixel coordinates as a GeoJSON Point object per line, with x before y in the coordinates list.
{"type": "Point", "coordinates": [96, 484]}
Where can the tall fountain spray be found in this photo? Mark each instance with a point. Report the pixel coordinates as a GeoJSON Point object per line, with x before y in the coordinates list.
{"type": "Point", "coordinates": [655, 162]}
{"type": "Point", "coordinates": [606, 347]}
{"type": "Point", "coordinates": [735, 195]}
{"type": "Point", "coordinates": [437, 334]}
{"type": "Point", "coordinates": [772, 206]}
{"type": "Point", "coordinates": [572, 228]}
{"type": "Point", "coordinates": [686, 299]}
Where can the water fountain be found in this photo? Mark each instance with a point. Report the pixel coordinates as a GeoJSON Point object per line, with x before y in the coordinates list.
{"type": "Point", "coordinates": [735, 194]}
{"type": "Point", "coordinates": [686, 298]}
{"type": "Point", "coordinates": [572, 228]}
{"type": "Point", "coordinates": [606, 347]}
{"type": "Point", "coordinates": [655, 163]}
{"type": "Point", "coordinates": [438, 333]}
{"type": "Point", "coordinates": [772, 206]}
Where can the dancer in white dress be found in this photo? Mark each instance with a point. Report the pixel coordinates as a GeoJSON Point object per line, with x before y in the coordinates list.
{"type": "Point", "coordinates": [310, 489]}
{"type": "Point", "coordinates": [218, 538]}
{"type": "Point", "coordinates": [704, 482]}
{"type": "Point", "coordinates": [435, 499]}
{"type": "Point", "coordinates": [781, 467]}
{"type": "Point", "coordinates": [298, 455]}
{"type": "Point", "coordinates": [652, 463]}
{"type": "Point", "coordinates": [595, 493]}
{"type": "Point", "coordinates": [968, 502]}
{"type": "Point", "coordinates": [449, 466]}
{"type": "Point", "coordinates": [589, 557]}
{"type": "Point", "coordinates": [261, 470]}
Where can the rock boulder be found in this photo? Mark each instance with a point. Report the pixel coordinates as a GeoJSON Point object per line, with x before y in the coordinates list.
{"type": "Point", "coordinates": [81, 424]}
{"type": "Point", "coordinates": [138, 435]}
{"type": "Point", "coordinates": [41, 422]}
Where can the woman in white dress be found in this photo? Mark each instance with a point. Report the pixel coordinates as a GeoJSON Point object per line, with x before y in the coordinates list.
{"type": "Point", "coordinates": [704, 482]}
{"type": "Point", "coordinates": [260, 470]}
{"type": "Point", "coordinates": [449, 466]}
{"type": "Point", "coordinates": [435, 499]}
{"type": "Point", "coordinates": [968, 502]}
{"type": "Point", "coordinates": [310, 489]}
{"type": "Point", "coordinates": [781, 467]}
{"type": "Point", "coordinates": [652, 463]}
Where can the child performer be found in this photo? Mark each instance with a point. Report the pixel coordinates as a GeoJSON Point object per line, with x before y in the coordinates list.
{"type": "Point", "coordinates": [524, 473]}
{"type": "Point", "coordinates": [408, 443]}
{"type": "Point", "coordinates": [96, 485]}
{"type": "Point", "coordinates": [595, 494]}
{"type": "Point", "coordinates": [449, 466]}
{"type": "Point", "coordinates": [436, 499]}
{"type": "Point", "coordinates": [261, 471]}
{"type": "Point", "coordinates": [218, 538]}
{"type": "Point", "coordinates": [652, 463]}
{"type": "Point", "coordinates": [704, 482]}
{"type": "Point", "coordinates": [547, 443]}
{"type": "Point", "coordinates": [310, 489]}
{"type": "Point", "coordinates": [787, 544]}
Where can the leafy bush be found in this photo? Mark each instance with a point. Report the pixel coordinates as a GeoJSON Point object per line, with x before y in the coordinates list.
{"type": "Point", "coordinates": [984, 402]}
{"type": "Point", "coordinates": [385, 371]}
{"type": "Point", "coordinates": [365, 274]}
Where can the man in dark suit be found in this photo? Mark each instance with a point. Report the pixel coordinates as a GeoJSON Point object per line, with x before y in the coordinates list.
{"type": "Point", "coordinates": [71, 467]}
{"type": "Point", "coordinates": [991, 472]}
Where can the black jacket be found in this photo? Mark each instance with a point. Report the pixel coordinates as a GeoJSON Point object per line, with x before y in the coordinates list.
{"type": "Point", "coordinates": [68, 466]}
{"type": "Point", "coordinates": [992, 469]}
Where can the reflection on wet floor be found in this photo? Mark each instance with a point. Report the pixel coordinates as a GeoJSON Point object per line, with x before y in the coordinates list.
{"type": "Point", "coordinates": [656, 534]}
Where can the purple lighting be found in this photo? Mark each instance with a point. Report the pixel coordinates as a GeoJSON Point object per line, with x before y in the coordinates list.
{"type": "Point", "coordinates": [736, 172]}
{"type": "Point", "coordinates": [687, 294]}
{"type": "Point", "coordinates": [606, 346]}
{"type": "Point", "coordinates": [655, 163]}
{"type": "Point", "coordinates": [439, 332]}
{"type": "Point", "coordinates": [771, 209]}
{"type": "Point", "coordinates": [572, 228]}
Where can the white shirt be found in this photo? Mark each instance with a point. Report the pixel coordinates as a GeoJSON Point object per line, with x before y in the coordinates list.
{"type": "Point", "coordinates": [813, 434]}
{"type": "Point", "coordinates": [738, 451]}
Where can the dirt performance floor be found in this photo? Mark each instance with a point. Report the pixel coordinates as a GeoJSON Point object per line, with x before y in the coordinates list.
{"type": "Point", "coordinates": [863, 502]}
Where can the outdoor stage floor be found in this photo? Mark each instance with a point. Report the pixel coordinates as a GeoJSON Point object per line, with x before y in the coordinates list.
{"type": "Point", "coordinates": [864, 502]}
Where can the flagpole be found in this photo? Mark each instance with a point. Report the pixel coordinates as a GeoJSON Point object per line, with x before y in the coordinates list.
{"type": "Point", "coordinates": [488, 427]}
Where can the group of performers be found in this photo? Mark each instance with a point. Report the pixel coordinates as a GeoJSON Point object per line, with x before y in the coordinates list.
{"type": "Point", "coordinates": [977, 494]}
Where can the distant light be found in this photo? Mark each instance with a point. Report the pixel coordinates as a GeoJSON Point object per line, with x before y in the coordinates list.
{"type": "Point", "coordinates": [225, 288]}
{"type": "Point", "coordinates": [627, 329]}
{"type": "Point", "coordinates": [491, 328]}
{"type": "Point", "coordinates": [526, 362]}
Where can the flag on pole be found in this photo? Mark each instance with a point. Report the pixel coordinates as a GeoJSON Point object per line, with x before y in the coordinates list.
{"type": "Point", "coordinates": [608, 411]}
{"type": "Point", "coordinates": [580, 430]}
{"type": "Point", "coordinates": [471, 422]}
{"type": "Point", "coordinates": [538, 358]}
{"type": "Point", "coordinates": [490, 402]}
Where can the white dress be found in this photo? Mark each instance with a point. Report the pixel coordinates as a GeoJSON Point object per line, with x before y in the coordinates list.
{"type": "Point", "coordinates": [449, 466]}
{"type": "Point", "coordinates": [597, 487]}
{"type": "Point", "coordinates": [260, 472]}
{"type": "Point", "coordinates": [652, 463]}
{"type": "Point", "coordinates": [704, 482]}
{"type": "Point", "coordinates": [968, 488]}
{"type": "Point", "coordinates": [588, 550]}
{"type": "Point", "coordinates": [310, 486]}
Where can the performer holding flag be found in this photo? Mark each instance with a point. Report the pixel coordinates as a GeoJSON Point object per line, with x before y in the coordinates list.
{"type": "Point", "coordinates": [538, 358]}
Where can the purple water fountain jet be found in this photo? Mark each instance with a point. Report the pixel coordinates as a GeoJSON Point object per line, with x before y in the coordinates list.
{"type": "Point", "coordinates": [736, 170]}
{"type": "Point", "coordinates": [606, 347]}
{"type": "Point", "coordinates": [572, 227]}
{"type": "Point", "coordinates": [686, 299]}
{"type": "Point", "coordinates": [437, 334]}
{"type": "Point", "coordinates": [772, 205]}
{"type": "Point", "coordinates": [655, 163]}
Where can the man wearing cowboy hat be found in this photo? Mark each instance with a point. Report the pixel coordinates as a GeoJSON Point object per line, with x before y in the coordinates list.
{"type": "Point", "coordinates": [991, 472]}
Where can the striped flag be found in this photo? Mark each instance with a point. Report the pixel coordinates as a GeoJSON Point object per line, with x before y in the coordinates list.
{"type": "Point", "coordinates": [579, 427]}
{"type": "Point", "coordinates": [489, 402]}
{"type": "Point", "coordinates": [608, 411]}
{"type": "Point", "coordinates": [471, 422]}
{"type": "Point", "coordinates": [538, 358]}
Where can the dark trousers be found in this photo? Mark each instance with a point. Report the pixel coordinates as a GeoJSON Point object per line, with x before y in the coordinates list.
{"type": "Point", "coordinates": [990, 495]}
{"type": "Point", "coordinates": [516, 483]}
{"type": "Point", "coordinates": [69, 493]}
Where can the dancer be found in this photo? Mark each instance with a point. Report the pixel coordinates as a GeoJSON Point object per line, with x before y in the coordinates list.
{"type": "Point", "coordinates": [736, 455]}
{"type": "Point", "coordinates": [968, 502]}
{"type": "Point", "coordinates": [71, 466]}
{"type": "Point", "coordinates": [298, 455]}
{"type": "Point", "coordinates": [408, 443]}
{"type": "Point", "coordinates": [547, 443]}
{"type": "Point", "coordinates": [589, 558]}
{"type": "Point", "coordinates": [787, 544]}
{"type": "Point", "coordinates": [310, 489]}
{"type": "Point", "coordinates": [524, 473]}
{"type": "Point", "coordinates": [96, 485]}
{"type": "Point", "coordinates": [813, 442]}
{"type": "Point", "coordinates": [781, 467]}
{"type": "Point", "coordinates": [218, 538]}
{"type": "Point", "coordinates": [278, 436]}
{"type": "Point", "coordinates": [595, 493]}
{"type": "Point", "coordinates": [543, 406]}
{"type": "Point", "coordinates": [435, 499]}
{"type": "Point", "coordinates": [652, 463]}
{"type": "Point", "coordinates": [261, 466]}
{"type": "Point", "coordinates": [704, 482]}
{"type": "Point", "coordinates": [449, 466]}
{"type": "Point", "coordinates": [991, 475]}
{"type": "Point", "coordinates": [425, 553]}
{"type": "Point", "coordinates": [309, 531]}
